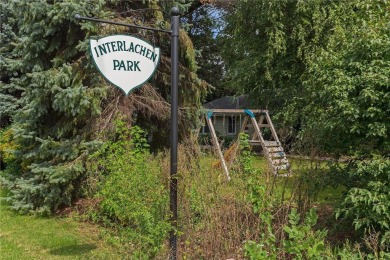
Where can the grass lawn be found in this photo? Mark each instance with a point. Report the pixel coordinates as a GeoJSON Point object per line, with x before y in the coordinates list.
{"type": "Point", "coordinates": [30, 237]}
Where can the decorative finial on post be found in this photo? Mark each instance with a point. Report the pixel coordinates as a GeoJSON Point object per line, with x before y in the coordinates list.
{"type": "Point", "coordinates": [175, 11]}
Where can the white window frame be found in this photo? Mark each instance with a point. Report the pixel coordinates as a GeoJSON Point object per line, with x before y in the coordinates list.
{"type": "Point", "coordinates": [204, 127]}
{"type": "Point", "coordinates": [203, 130]}
{"type": "Point", "coordinates": [232, 119]}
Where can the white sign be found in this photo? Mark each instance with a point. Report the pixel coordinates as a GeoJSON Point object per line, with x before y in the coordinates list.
{"type": "Point", "coordinates": [125, 61]}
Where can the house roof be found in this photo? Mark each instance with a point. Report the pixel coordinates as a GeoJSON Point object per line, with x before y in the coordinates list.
{"type": "Point", "coordinates": [229, 102]}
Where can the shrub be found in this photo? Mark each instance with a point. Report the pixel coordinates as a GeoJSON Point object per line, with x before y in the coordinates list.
{"type": "Point", "coordinates": [132, 196]}
{"type": "Point", "coordinates": [8, 164]}
{"type": "Point", "coordinates": [367, 202]}
{"type": "Point", "coordinates": [302, 242]}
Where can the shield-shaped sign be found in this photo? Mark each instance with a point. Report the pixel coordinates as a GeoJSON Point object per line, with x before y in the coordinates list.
{"type": "Point", "coordinates": [125, 61]}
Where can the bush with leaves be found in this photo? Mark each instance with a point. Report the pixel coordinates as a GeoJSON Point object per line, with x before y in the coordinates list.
{"type": "Point", "coordinates": [367, 202]}
{"type": "Point", "coordinates": [132, 196]}
{"type": "Point", "coordinates": [8, 163]}
{"type": "Point", "coordinates": [245, 157]}
{"type": "Point", "coordinates": [301, 242]}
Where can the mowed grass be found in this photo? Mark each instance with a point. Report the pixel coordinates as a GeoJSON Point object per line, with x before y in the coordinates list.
{"type": "Point", "coordinates": [31, 237]}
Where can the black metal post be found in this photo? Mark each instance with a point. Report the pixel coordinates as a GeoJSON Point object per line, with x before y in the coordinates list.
{"type": "Point", "coordinates": [175, 19]}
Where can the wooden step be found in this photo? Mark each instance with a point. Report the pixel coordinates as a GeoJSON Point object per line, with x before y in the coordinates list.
{"type": "Point", "coordinates": [271, 143]}
{"type": "Point", "coordinates": [264, 125]}
{"type": "Point", "coordinates": [255, 142]}
{"type": "Point", "coordinates": [283, 175]}
{"type": "Point", "coordinates": [275, 149]}
{"type": "Point", "coordinates": [278, 155]}
{"type": "Point", "coordinates": [280, 161]}
{"type": "Point", "coordinates": [282, 167]}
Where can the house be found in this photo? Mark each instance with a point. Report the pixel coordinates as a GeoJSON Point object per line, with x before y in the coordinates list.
{"type": "Point", "coordinates": [227, 123]}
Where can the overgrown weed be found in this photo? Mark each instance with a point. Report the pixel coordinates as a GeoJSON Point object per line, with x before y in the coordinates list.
{"type": "Point", "coordinates": [218, 219]}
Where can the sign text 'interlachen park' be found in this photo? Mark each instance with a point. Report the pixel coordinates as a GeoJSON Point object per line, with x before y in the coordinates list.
{"type": "Point", "coordinates": [125, 61]}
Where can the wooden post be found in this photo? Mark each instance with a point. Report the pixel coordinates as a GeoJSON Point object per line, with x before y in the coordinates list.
{"type": "Point", "coordinates": [274, 135]}
{"type": "Point", "coordinates": [217, 146]}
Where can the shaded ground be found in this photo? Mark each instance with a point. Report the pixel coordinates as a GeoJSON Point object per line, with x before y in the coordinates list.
{"type": "Point", "coordinates": [30, 237]}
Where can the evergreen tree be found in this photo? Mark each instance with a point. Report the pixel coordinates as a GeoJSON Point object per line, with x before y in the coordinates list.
{"type": "Point", "coordinates": [206, 22]}
{"type": "Point", "coordinates": [59, 96]}
{"type": "Point", "coordinates": [9, 91]}
{"type": "Point", "coordinates": [65, 103]}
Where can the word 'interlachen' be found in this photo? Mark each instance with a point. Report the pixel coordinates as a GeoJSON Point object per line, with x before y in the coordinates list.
{"type": "Point", "coordinates": [124, 46]}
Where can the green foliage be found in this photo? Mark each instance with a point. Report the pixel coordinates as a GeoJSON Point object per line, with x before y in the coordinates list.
{"type": "Point", "coordinates": [349, 83]}
{"type": "Point", "coordinates": [60, 96]}
{"type": "Point", "coordinates": [314, 177]}
{"type": "Point", "coordinates": [325, 66]}
{"type": "Point", "coordinates": [6, 145]}
{"type": "Point", "coordinates": [205, 23]}
{"type": "Point", "coordinates": [347, 252]}
{"type": "Point", "coordinates": [301, 242]}
{"type": "Point", "coordinates": [258, 192]}
{"type": "Point", "coordinates": [267, 248]}
{"type": "Point", "coordinates": [9, 91]}
{"type": "Point", "coordinates": [367, 202]}
{"type": "Point", "coordinates": [245, 157]}
{"type": "Point", "coordinates": [8, 162]}
{"type": "Point", "coordinates": [357, 251]}
{"type": "Point", "coordinates": [258, 195]}
{"type": "Point", "coordinates": [132, 196]}
{"type": "Point", "coordinates": [267, 45]}
{"type": "Point", "coordinates": [53, 96]}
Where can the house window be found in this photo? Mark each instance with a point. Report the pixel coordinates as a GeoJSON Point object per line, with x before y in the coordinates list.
{"type": "Point", "coordinates": [231, 125]}
{"type": "Point", "coordinates": [205, 129]}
